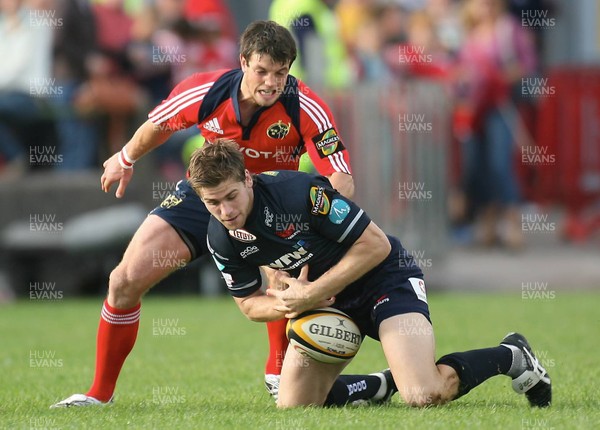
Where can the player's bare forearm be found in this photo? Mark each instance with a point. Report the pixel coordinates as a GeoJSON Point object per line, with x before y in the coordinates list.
{"type": "Point", "coordinates": [259, 307]}
{"type": "Point", "coordinates": [371, 248]}
{"type": "Point", "coordinates": [343, 183]}
{"type": "Point", "coordinates": [147, 137]}
{"type": "Point", "coordinates": [273, 276]}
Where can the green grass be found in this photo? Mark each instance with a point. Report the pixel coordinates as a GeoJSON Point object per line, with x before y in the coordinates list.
{"type": "Point", "coordinates": [207, 374]}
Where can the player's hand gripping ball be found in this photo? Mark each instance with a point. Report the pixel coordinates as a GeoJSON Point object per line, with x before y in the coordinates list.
{"type": "Point", "coordinates": [326, 335]}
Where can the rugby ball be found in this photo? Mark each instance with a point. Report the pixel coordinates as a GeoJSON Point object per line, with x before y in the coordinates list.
{"type": "Point", "coordinates": [326, 335]}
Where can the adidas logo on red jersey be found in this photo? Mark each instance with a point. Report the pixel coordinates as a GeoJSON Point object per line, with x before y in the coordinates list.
{"type": "Point", "coordinates": [213, 125]}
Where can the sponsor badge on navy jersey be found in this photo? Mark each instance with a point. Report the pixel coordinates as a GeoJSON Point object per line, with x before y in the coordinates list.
{"type": "Point", "coordinates": [339, 211]}
{"type": "Point", "coordinates": [319, 201]}
{"type": "Point", "coordinates": [242, 235]}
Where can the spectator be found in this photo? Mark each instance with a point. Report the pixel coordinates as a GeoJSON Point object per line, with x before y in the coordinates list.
{"type": "Point", "coordinates": [204, 47]}
{"type": "Point", "coordinates": [322, 56]}
{"type": "Point", "coordinates": [25, 49]}
{"type": "Point", "coordinates": [496, 54]}
{"type": "Point", "coordinates": [74, 43]}
{"type": "Point", "coordinates": [169, 11]}
{"type": "Point", "coordinates": [528, 10]}
{"type": "Point", "coordinates": [364, 39]}
{"type": "Point", "coordinates": [111, 93]}
{"type": "Point", "coordinates": [423, 54]}
{"type": "Point", "coordinates": [151, 43]}
{"type": "Point", "coordinates": [216, 10]}
{"type": "Point", "coordinates": [352, 14]}
{"type": "Point", "coordinates": [113, 27]}
{"type": "Point", "coordinates": [392, 23]}
{"type": "Point", "coordinates": [445, 15]}
{"type": "Point", "coordinates": [192, 37]}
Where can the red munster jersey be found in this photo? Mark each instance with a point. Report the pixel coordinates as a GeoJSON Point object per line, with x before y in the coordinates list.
{"type": "Point", "coordinates": [275, 137]}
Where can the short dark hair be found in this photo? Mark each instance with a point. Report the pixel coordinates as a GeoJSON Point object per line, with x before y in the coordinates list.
{"type": "Point", "coordinates": [270, 38]}
{"type": "Point", "coordinates": [215, 163]}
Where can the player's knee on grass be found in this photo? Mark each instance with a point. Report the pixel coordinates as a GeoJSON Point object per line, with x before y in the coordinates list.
{"type": "Point", "coordinates": [437, 392]}
{"type": "Point", "coordinates": [420, 397]}
{"type": "Point", "coordinates": [283, 404]}
{"type": "Point", "coordinates": [304, 381]}
{"type": "Point", "coordinates": [303, 395]}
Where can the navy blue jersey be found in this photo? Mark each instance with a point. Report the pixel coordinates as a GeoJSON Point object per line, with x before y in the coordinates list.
{"type": "Point", "coordinates": [296, 219]}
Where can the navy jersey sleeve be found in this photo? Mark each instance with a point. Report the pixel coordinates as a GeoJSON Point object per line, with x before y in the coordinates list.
{"type": "Point", "coordinates": [334, 216]}
{"type": "Point", "coordinates": [241, 279]}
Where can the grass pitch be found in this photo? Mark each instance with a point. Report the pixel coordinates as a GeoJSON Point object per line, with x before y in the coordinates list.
{"type": "Point", "coordinates": [198, 364]}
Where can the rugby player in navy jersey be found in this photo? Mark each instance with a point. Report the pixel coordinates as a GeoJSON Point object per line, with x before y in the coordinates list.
{"type": "Point", "coordinates": [334, 255]}
{"type": "Point", "coordinates": [275, 118]}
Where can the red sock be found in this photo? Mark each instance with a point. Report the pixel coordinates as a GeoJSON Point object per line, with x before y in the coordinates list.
{"type": "Point", "coordinates": [117, 332]}
{"type": "Point", "coordinates": [278, 344]}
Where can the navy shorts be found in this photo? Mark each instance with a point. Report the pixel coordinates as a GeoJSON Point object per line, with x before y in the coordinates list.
{"type": "Point", "coordinates": [186, 213]}
{"type": "Point", "coordinates": [395, 294]}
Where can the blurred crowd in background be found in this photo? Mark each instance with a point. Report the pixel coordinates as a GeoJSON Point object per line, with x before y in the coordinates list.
{"type": "Point", "coordinates": [81, 71]}
{"type": "Point", "coordinates": [79, 76]}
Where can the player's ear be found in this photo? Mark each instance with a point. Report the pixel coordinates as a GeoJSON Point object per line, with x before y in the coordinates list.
{"type": "Point", "coordinates": [248, 181]}
{"type": "Point", "coordinates": [243, 63]}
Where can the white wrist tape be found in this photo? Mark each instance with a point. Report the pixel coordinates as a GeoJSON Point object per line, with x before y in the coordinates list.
{"type": "Point", "coordinates": [125, 160]}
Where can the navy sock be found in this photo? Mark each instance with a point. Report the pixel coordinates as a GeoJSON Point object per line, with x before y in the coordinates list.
{"type": "Point", "coordinates": [475, 366]}
{"type": "Point", "coordinates": [349, 388]}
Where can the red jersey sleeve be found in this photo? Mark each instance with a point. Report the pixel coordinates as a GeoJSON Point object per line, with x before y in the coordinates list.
{"type": "Point", "coordinates": [180, 110]}
{"type": "Point", "coordinates": [321, 138]}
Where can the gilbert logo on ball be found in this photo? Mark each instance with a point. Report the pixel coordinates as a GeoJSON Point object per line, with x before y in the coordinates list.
{"type": "Point", "coordinates": [326, 335]}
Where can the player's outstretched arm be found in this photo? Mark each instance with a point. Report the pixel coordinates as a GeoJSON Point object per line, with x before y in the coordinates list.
{"type": "Point", "coordinates": [119, 167]}
{"type": "Point", "coordinates": [258, 307]}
